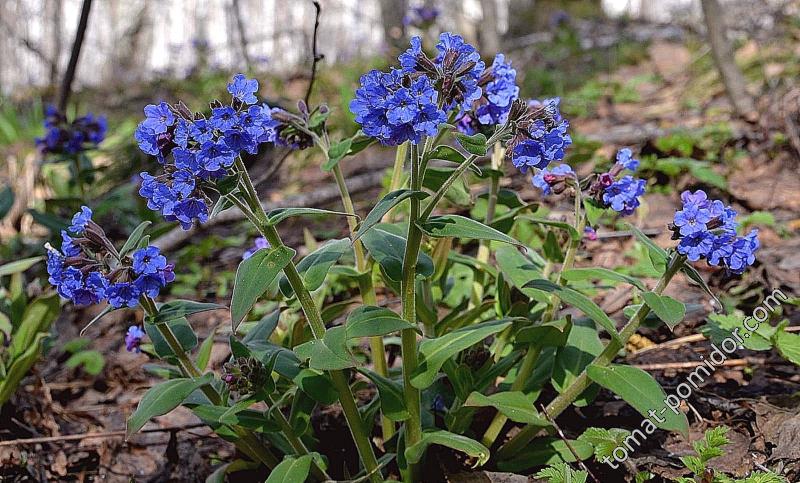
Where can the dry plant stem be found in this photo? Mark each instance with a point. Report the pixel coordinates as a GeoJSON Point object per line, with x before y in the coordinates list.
{"type": "Point", "coordinates": [366, 288]}
{"type": "Point", "coordinates": [248, 442]}
{"type": "Point", "coordinates": [408, 337]}
{"type": "Point", "coordinates": [255, 212]}
{"type": "Point", "coordinates": [562, 402]}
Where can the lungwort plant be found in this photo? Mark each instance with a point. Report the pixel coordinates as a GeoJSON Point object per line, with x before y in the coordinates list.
{"type": "Point", "coordinates": [484, 322]}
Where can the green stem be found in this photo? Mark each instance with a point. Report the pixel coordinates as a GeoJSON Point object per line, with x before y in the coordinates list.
{"type": "Point", "coordinates": [408, 337]}
{"type": "Point", "coordinates": [296, 443]}
{"type": "Point", "coordinates": [397, 175]}
{"type": "Point", "coordinates": [483, 248]}
{"type": "Point", "coordinates": [366, 289]}
{"type": "Point", "coordinates": [582, 382]}
{"type": "Point", "coordinates": [247, 442]}
{"type": "Point", "coordinates": [255, 212]}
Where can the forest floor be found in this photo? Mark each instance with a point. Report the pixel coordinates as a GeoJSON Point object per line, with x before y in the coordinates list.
{"type": "Point", "coordinates": [665, 106]}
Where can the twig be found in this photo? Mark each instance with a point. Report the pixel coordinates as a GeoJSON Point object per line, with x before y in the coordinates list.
{"type": "Point", "coordinates": [316, 57]}
{"type": "Point", "coordinates": [569, 445]}
{"type": "Point", "coordinates": [662, 366]}
{"type": "Point", "coordinates": [69, 75]}
{"type": "Point", "coordinates": [106, 434]}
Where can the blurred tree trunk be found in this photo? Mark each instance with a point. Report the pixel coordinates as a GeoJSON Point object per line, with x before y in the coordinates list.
{"type": "Point", "coordinates": [69, 75]}
{"type": "Point", "coordinates": [56, 11]}
{"type": "Point", "coordinates": [521, 17]}
{"type": "Point", "coordinates": [490, 39]}
{"type": "Point", "coordinates": [721, 50]}
{"type": "Point", "coordinates": [237, 13]}
{"type": "Point", "coordinates": [392, 13]}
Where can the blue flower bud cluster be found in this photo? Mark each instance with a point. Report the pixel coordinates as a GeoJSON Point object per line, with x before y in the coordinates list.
{"type": "Point", "coordinates": [196, 150]}
{"type": "Point", "coordinates": [707, 229]}
{"type": "Point", "coordinates": [88, 269]}
{"type": "Point", "coordinates": [541, 135]}
{"type": "Point", "coordinates": [63, 137]}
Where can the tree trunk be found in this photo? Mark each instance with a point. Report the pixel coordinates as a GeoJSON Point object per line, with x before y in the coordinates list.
{"type": "Point", "coordinates": [237, 13]}
{"type": "Point", "coordinates": [722, 52]}
{"type": "Point", "coordinates": [490, 39]}
{"type": "Point", "coordinates": [69, 75]}
{"type": "Point", "coordinates": [392, 13]}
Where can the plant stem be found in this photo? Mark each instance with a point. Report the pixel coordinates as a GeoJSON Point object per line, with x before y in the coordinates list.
{"type": "Point", "coordinates": [366, 288]}
{"type": "Point", "coordinates": [248, 442]}
{"type": "Point", "coordinates": [483, 248]}
{"type": "Point", "coordinates": [297, 444]}
{"type": "Point", "coordinates": [255, 212]}
{"type": "Point", "coordinates": [529, 362]}
{"type": "Point", "coordinates": [397, 175]}
{"type": "Point", "coordinates": [582, 382]}
{"type": "Point", "coordinates": [408, 337]}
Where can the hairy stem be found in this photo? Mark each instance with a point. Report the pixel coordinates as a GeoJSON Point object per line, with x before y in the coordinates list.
{"type": "Point", "coordinates": [483, 248]}
{"type": "Point", "coordinates": [582, 382]}
{"type": "Point", "coordinates": [255, 212]}
{"type": "Point", "coordinates": [397, 175]}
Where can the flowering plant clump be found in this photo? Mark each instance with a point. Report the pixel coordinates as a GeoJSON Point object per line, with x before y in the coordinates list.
{"type": "Point", "coordinates": [64, 137]}
{"type": "Point", "coordinates": [479, 329]}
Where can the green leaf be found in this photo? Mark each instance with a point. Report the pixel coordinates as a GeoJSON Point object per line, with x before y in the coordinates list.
{"type": "Point", "coordinates": [604, 441]}
{"type": "Point", "coordinates": [19, 266]}
{"type": "Point", "coordinates": [317, 385]}
{"type": "Point", "coordinates": [445, 153]}
{"type": "Point", "coordinates": [573, 233]}
{"type": "Point", "coordinates": [204, 353]}
{"type": "Point", "coordinates": [278, 215]}
{"type": "Point", "coordinates": [292, 469]}
{"type": "Point", "coordinates": [658, 256]}
{"type": "Point", "coordinates": [315, 266]}
{"type": "Point", "coordinates": [6, 201]}
{"type": "Point", "coordinates": [669, 310]}
{"type": "Point", "coordinates": [551, 248]}
{"type": "Point", "coordinates": [247, 418]}
{"type": "Point", "coordinates": [475, 144]}
{"type": "Point", "coordinates": [321, 356]}
{"type": "Point", "coordinates": [336, 153]}
{"type": "Point", "coordinates": [457, 442]}
{"type": "Point", "coordinates": [177, 309]}
{"type": "Point", "coordinates": [388, 250]}
{"type": "Point", "coordinates": [92, 361]}
{"type": "Point", "coordinates": [546, 451]}
{"type": "Point", "coordinates": [562, 473]}
{"type": "Point", "coordinates": [594, 211]}
{"type": "Point", "coordinates": [553, 333]}
{"type": "Point", "coordinates": [434, 352]}
{"type": "Point", "coordinates": [161, 399]}
{"type": "Point", "coordinates": [384, 206]}
{"type": "Point", "coordinates": [221, 473]}
{"type": "Point", "coordinates": [515, 405]}
{"type": "Point", "coordinates": [578, 300]}
{"type": "Point", "coordinates": [182, 331]}
{"type": "Point", "coordinates": [456, 226]}
{"type": "Point", "coordinates": [36, 319]}
{"type": "Point", "coordinates": [393, 405]}
{"type": "Point", "coordinates": [720, 326]}
{"type": "Point", "coordinates": [458, 193]}
{"type": "Point", "coordinates": [695, 276]}
{"type": "Point", "coordinates": [640, 390]}
{"type": "Point", "coordinates": [582, 346]}
{"type": "Point", "coordinates": [788, 344]}
{"type": "Point", "coordinates": [519, 269]}
{"type": "Point", "coordinates": [254, 276]}
{"type": "Point", "coordinates": [370, 321]}
{"type": "Point", "coordinates": [20, 367]}
{"type": "Point", "coordinates": [133, 240]}
{"type": "Point", "coordinates": [576, 274]}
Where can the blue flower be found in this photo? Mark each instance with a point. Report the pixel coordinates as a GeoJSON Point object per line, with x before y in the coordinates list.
{"type": "Point", "coordinates": [80, 219]}
{"type": "Point", "coordinates": [158, 117]}
{"type": "Point", "coordinates": [133, 338]}
{"type": "Point", "coordinates": [148, 260]}
{"type": "Point", "coordinates": [243, 89]}
{"type": "Point", "coordinates": [743, 251]}
{"type": "Point", "coordinates": [68, 246]}
{"type": "Point", "coordinates": [540, 145]}
{"type": "Point", "coordinates": [546, 179]}
{"type": "Point", "coordinates": [623, 195]}
{"type": "Point", "coordinates": [213, 156]}
{"type": "Point", "coordinates": [394, 113]}
{"type": "Point", "coordinates": [697, 245]}
{"type": "Point", "coordinates": [63, 137]}
{"type": "Point", "coordinates": [92, 291]}
{"type": "Point", "coordinates": [692, 218]}
{"type": "Point", "coordinates": [259, 244]}
{"type": "Point", "coordinates": [223, 118]}
{"type": "Point", "coordinates": [499, 91]}
{"type": "Point", "coordinates": [455, 70]}
{"type": "Point", "coordinates": [626, 160]}
{"type": "Point", "coordinates": [123, 294]}
{"type": "Point", "coordinates": [190, 209]}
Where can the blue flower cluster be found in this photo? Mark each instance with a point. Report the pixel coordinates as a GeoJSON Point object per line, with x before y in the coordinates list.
{"type": "Point", "coordinates": [541, 136]}
{"type": "Point", "coordinates": [62, 137]}
{"type": "Point", "coordinates": [133, 339]}
{"type": "Point", "coordinates": [707, 229]}
{"type": "Point", "coordinates": [393, 108]}
{"type": "Point", "coordinates": [195, 150]}
{"type": "Point", "coordinates": [259, 244]}
{"type": "Point", "coordinates": [421, 17]}
{"type": "Point", "coordinates": [455, 70]}
{"type": "Point", "coordinates": [499, 90]}
{"type": "Point", "coordinates": [88, 269]}
{"type": "Point", "coordinates": [623, 194]}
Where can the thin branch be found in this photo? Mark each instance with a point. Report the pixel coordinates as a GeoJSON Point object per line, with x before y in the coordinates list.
{"type": "Point", "coordinates": [237, 14]}
{"type": "Point", "coordinates": [316, 57]}
{"type": "Point", "coordinates": [69, 75]}
{"type": "Point", "coordinates": [102, 435]}
{"type": "Point", "coordinates": [569, 445]}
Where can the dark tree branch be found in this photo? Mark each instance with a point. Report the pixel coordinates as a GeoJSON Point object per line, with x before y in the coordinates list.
{"type": "Point", "coordinates": [237, 13]}
{"type": "Point", "coordinates": [732, 77]}
{"type": "Point", "coordinates": [316, 57]}
{"type": "Point", "coordinates": [69, 75]}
